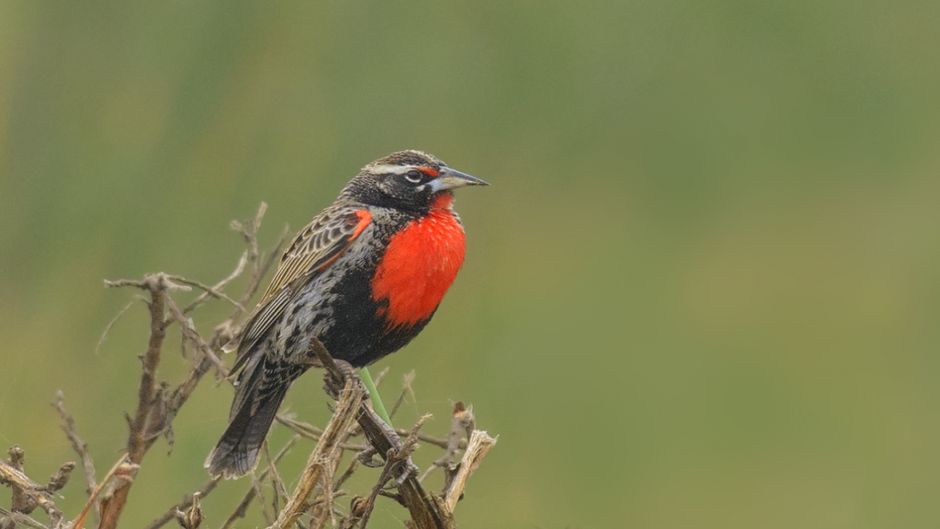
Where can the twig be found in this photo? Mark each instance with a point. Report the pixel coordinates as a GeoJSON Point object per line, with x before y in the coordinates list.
{"type": "Point", "coordinates": [406, 389]}
{"type": "Point", "coordinates": [259, 268]}
{"type": "Point", "coordinates": [15, 475]}
{"type": "Point", "coordinates": [324, 507]}
{"type": "Point", "coordinates": [394, 461]}
{"type": "Point", "coordinates": [351, 399]}
{"type": "Point", "coordinates": [120, 468]}
{"type": "Point", "coordinates": [426, 511]}
{"type": "Point", "coordinates": [206, 289]}
{"type": "Point", "coordinates": [310, 431]}
{"type": "Point", "coordinates": [479, 445]}
{"type": "Point", "coordinates": [280, 489]}
{"type": "Point", "coordinates": [19, 518]}
{"type": "Point", "coordinates": [27, 494]}
{"type": "Point", "coordinates": [259, 493]}
{"type": "Point", "coordinates": [461, 425]}
{"type": "Point", "coordinates": [381, 376]}
{"type": "Point", "coordinates": [141, 426]}
{"type": "Point", "coordinates": [250, 234]}
{"type": "Point", "coordinates": [110, 325]}
{"type": "Point", "coordinates": [157, 404]}
{"type": "Point", "coordinates": [191, 335]}
{"type": "Point", "coordinates": [431, 439]}
{"type": "Point", "coordinates": [184, 505]}
{"type": "Point", "coordinates": [242, 506]}
{"type": "Point", "coordinates": [79, 445]}
{"type": "Point", "coordinates": [202, 298]}
{"type": "Point", "coordinates": [318, 487]}
{"type": "Point", "coordinates": [353, 465]}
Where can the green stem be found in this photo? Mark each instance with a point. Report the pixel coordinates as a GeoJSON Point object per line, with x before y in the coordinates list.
{"type": "Point", "coordinates": [377, 404]}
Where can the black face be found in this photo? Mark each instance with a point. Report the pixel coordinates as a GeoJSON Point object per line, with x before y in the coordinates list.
{"type": "Point", "coordinates": [400, 180]}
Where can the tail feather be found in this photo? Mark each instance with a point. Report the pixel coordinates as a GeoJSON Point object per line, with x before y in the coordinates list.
{"type": "Point", "coordinates": [236, 453]}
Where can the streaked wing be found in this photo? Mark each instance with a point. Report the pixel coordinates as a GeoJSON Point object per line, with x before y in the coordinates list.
{"type": "Point", "coordinates": [313, 250]}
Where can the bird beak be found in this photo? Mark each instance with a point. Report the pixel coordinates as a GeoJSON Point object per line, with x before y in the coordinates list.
{"type": "Point", "coordinates": [452, 179]}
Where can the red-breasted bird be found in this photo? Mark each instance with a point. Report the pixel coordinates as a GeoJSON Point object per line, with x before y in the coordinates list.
{"type": "Point", "coordinates": [364, 277]}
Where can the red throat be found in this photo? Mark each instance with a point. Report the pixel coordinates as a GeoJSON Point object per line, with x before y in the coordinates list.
{"type": "Point", "coordinates": [419, 265]}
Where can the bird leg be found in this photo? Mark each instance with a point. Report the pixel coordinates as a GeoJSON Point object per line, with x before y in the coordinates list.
{"type": "Point", "coordinates": [332, 385]}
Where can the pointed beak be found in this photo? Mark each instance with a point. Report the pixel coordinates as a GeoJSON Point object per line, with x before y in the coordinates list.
{"type": "Point", "coordinates": [452, 179]}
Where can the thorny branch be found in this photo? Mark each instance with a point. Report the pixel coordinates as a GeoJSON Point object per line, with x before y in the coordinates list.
{"type": "Point", "coordinates": [314, 497]}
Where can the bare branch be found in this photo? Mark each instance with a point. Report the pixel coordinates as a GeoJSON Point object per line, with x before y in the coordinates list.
{"type": "Point", "coordinates": [406, 389]}
{"type": "Point", "coordinates": [191, 335]}
{"type": "Point", "coordinates": [319, 485]}
{"type": "Point", "coordinates": [184, 505]}
{"type": "Point", "coordinates": [396, 461]}
{"type": "Point", "coordinates": [381, 376]}
{"type": "Point", "coordinates": [259, 493]}
{"type": "Point", "coordinates": [479, 445]}
{"type": "Point", "coordinates": [250, 234]}
{"type": "Point", "coordinates": [431, 439]}
{"type": "Point", "coordinates": [80, 446]}
{"type": "Point", "coordinates": [351, 399]}
{"type": "Point", "coordinates": [157, 405]}
{"type": "Point", "coordinates": [310, 431]}
{"type": "Point", "coordinates": [353, 465]}
{"type": "Point", "coordinates": [426, 511]}
{"type": "Point", "coordinates": [202, 298]}
{"type": "Point", "coordinates": [19, 518]}
{"type": "Point", "coordinates": [242, 506]}
{"type": "Point", "coordinates": [27, 494]}
{"type": "Point", "coordinates": [280, 489]}
{"type": "Point", "coordinates": [141, 429]}
{"type": "Point", "coordinates": [461, 425]}
{"type": "Point", "coordinates": [206, 289]}
{"type": "Point", "coordinates": [110, 325]}
{"type": "Point", "coordinates": [122, 471]}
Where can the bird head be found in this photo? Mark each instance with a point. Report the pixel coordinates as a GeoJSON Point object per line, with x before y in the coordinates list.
{"type": "Point", "coordinates": [409, 180]}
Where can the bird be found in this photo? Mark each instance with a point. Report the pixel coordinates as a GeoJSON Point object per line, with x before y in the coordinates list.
{"type": "Point", "coordinates": [364, 277]}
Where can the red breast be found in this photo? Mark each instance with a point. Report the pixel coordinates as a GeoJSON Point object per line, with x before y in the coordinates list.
{"type": "Point", "coordinates": [419, 265]}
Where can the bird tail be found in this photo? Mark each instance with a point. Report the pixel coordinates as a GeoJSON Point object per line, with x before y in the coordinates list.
{"type": "Point", "coordinates": [253, 411]}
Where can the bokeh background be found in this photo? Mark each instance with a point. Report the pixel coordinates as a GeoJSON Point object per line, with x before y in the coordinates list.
{"type": "Point", "coordinates": [701, 292]}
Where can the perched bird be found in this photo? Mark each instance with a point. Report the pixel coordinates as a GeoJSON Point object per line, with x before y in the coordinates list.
{"type": "Point", "coordinates": [364, 277]}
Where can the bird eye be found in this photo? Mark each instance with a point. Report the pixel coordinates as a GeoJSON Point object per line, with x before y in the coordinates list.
{"type": "Point", "coordinates": [413, 176]}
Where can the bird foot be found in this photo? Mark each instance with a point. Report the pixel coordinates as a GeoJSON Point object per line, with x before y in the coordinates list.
{"type": "Point", "coordinates": [368, 459]}
{"type": "Point", "coordinates": [332, 386]}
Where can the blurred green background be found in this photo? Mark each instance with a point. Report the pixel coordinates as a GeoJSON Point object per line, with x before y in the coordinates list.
{"type": "Point", "coordinates": [701, 292]}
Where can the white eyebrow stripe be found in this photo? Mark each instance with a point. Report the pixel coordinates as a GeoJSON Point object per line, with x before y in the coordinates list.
{"type": "Point", "coordinates": [393, 169]}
